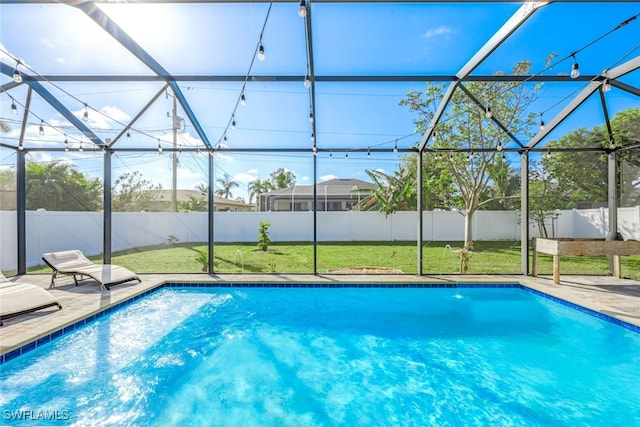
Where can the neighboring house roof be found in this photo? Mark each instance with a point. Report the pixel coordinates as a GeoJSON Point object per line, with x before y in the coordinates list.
{"type": "Point", "coordinates": [183, 195]}
{"type": "Point", "coordinates": [332, 187]}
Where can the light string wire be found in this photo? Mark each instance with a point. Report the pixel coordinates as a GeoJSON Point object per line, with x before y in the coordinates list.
{"type": "Point", "coordinates": [246, 78]}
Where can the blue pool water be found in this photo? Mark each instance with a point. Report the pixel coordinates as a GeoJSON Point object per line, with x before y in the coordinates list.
{"type": "Point", "coordinates": [325, 357]}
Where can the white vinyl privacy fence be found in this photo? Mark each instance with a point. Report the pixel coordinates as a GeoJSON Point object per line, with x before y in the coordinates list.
{"type": "Point", "coordinates": [54, 231]}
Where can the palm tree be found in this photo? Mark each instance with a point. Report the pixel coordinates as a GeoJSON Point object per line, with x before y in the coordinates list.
{"type": "Point", "coordinates": [257, 187]}
{"type": "Point", "coordinates": [226, 184]}
{"type": "Point", "coordinates": [203, 188]}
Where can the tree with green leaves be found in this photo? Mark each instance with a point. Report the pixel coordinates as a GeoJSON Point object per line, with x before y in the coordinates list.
{"type": "Point", "coordinates": [471, 134]}
{"type": "Point", "coordinates": [58, 186]}
{"type": "Point", "coordinates": [132, 193]}
{"type": "Point", "coordinates": [582, 176]}
{"type": "Point", "coordinates": [544, 199]}
{"type": "Point", "coordinates": [258, 187]}
{"type": "Point", "coordinates": [282, 178]}
{"type": "Point", "coordinates": [226, 184]}
{"type": "Point", "coordinates": [193, 204]}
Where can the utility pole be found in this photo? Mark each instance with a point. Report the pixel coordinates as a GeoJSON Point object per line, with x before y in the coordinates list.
{"type": "Point", "coordinates": [174, 182]}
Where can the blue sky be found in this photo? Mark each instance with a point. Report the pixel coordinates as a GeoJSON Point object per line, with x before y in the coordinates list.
{"type": "Point", "coordinates": [349, 39]}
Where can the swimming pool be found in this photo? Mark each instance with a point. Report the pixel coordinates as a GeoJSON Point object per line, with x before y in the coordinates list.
{"type": "Point", "coordinates": [331, 356]}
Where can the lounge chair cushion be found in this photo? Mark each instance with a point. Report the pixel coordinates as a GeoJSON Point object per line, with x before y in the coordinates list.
{"type": "Point", "coordinates": [75, 263]}
{"type": "Point", "coordinates": [22, 298]}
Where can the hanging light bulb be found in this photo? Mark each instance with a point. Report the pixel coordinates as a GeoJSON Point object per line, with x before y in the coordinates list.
{"type": "Point", "coordinates": [504, 155]}
{"type": "Point", "coordinates": [368, 152]}
{"type": "Point", "coordinates": [488, 114]}
{"type": "Point", "coordinates": [20, 146]}
{"type": "Point", "coordinates": [85, 116]}
{"type": "Point", "coordinates": [575, 68]}
{"type": "Point", "coordinates": [606, 85]}
{"type": "Point", "coordinates": [128, 136]}
{"type": "Point", "coordinates": [233, 122]}
{"type": "Point", "coordinates": [14, 109]}
{"type": "Point", "coordinates": [311, 118]}
{"type": "Point", "coordinates": [225, 139]}
{"type": "Point", "coordinates": [41, 129]}
{"type": "Point", "coordinates": [261, 52]}
{"type": "Point", "coordinates": [307, 81]}
{"type": "Point", "coordinates": [612, 144]}
{"type": "Point", "coordinates": [313, 138]}
{"type": "Point", "coordinates": [330, 154]}
{"type": "Point", "coordinates": [80, 148]}
{"type": "Point", "coordinates": [66, 144]}
{"type": "Point", "coordinates": [346, 155]}
{"type": "Point", "coordinates": [548, 153]}
{"type": "Point", "coordinates": [243, 100]}
{"type": "Point", "coordinates": [302, 11]}
{"type": "Point", "coordinates": [160, 150]}
{"type": "Point", "coordinates": [17, 77]}
{"type": "Point", "coordinates": [499, 148]}
{"type": "Point", "coordinates": [395, 146]}
{"type": "Point", "coordinates": [314, 150]}
{"type": "Point", "coordinates": [541, 123]}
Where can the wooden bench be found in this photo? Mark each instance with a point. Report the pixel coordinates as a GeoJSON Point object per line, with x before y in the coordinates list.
{"type": "Point", "coordinates": [583, 247]}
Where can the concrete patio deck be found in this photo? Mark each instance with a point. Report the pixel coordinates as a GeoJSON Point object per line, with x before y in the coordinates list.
{"type": "Point", "coordinates": [618, 298]}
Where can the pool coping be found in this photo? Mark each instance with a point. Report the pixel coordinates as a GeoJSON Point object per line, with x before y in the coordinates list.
{"type": "Point", "coordinates": [25, 347]}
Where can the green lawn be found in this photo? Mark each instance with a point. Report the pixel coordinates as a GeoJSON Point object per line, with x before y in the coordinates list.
{"type": "Point", "coordinates": [438, 258]}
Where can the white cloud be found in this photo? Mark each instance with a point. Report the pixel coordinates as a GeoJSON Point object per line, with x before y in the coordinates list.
{"type": "Point", "coordinates": [438, 31]}
{"type": "Point", "coordinates": [186, 173]}
{"type": "Point", "coordinates": [115, 113]}
{"type": "Point", "coordinates": [304, 178]}
{"type": "Point", "coordinates": [244, 177]}
{"type": "Point", "coordinates": [327, 177]}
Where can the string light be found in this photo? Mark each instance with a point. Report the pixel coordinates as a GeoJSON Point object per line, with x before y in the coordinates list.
{"type": "Point", "coordinates": [368, 152]}
{"type": "Point", "coordinates": [314, 150]}
{"type": "Point", "coordinates": [66, 144]}
{"type": "Point", "coordinates": [225, 139]}
{"type": "Point", "coordinates": [346, 155]}
{"type": "Point", "coordinates": [575, 68]}
{"type": "Point", "coordinates": [488, 114]}
{"type": "Point", "coordinates": [499, 148]}
{"type": "Point", "coordinates": [307, 81]}
{"type": "Point", "coordinates": [612, 144]}
{"type": "Point", "coordinates": [302, 10]}
{"type": "Point", "coordinates": [233, 122]}
{"type": "Point", "coordinates": [20, 146]}
{"type": "Point", "coordinates": [85, 116]}
{"type": "Point", "coordinates": [395, 146]}
{"type": "Point", "coordinates": [160, 150]}
{"type": "Point", "coordinates": [261, 55]}
{"type": "Point", "coordinates": [311, 118]}
{"type": "Point", "coordinates": [243, 100]}
{"type": "Point", "coordinates": [128, 136]}
{"type": "Point", "coordinates": [606, 85]}
{"type": "Point", "coordinates": [41, 130]}
{"type": "Point", "coordinates": [541, 123]}
{"type": "Point", "coordinates": [313, 138]}
{"type": "Point", "coordinates": [14, 109]}
{"type": "Point", "coordinates": [80, 148]}
{"type": "Point", "coordinates": [17, 77]}
{"type": "Point", "coordinates": [548, 153]}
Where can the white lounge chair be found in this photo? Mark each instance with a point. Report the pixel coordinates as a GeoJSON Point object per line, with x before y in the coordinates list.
{"type": "Point", "coordinates": [74, 263]}
{"type": "Point", "coordinates": [22, 298]}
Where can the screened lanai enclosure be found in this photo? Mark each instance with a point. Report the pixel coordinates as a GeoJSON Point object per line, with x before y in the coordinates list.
{"type": "Point", "coordinates": [318, 136]}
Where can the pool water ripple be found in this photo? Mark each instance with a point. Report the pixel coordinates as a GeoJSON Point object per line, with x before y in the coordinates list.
{"type": "Point", "coordinates": [334, 357]}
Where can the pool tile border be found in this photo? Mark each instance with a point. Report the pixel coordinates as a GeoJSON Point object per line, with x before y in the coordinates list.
{"type": "Point", "coordinates": [80, 323]}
